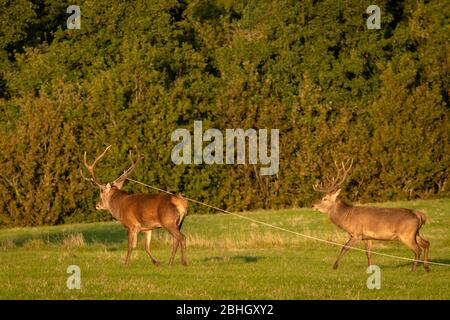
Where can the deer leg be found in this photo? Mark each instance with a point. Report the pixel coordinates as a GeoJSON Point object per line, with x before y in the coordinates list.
{"type": "Point", "coordinates": [368, 251]}
{"type": "Point", "coordinates": [183, 250]}
{"type": "Point", "coordinates": [132, 237]}
{"type": "Point", "coordinates": [425, 244]}
{"type": "Point", "coordinates": [174, 250]}
{"type": "Point", "coordinates": [344, 249]}
{"type": "Point", "coordinates": [412, 244]}
{"type": "Point", "coordinates": [147, 240]}
{"type": "Point", "coordinates": [178, 238]}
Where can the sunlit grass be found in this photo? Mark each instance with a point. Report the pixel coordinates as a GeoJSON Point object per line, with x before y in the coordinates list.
{"type": "Point", "coordinates": [229, 258]}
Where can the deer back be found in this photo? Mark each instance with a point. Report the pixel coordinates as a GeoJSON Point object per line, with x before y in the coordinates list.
{"type": "Point", "coordinates": [376, 223]}
{"type": "Point", "coordinates": [148, 211]}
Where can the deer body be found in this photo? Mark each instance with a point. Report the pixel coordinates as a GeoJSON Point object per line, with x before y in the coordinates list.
{"type": "Point", "coordinates": [370, 223]}
{"type": "Point", "coordinates": [142, 212]}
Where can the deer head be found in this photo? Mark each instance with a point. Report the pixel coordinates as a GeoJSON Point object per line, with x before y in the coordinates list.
{"type": "Point", "coordinates": [332, 189]}
{"type": "Point", "coordinates": [106, 190]}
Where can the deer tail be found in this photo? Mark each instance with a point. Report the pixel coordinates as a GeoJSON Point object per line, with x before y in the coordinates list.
{"type": "Point", "coordinates": [182, 207]}
{"type": "Point", "coordinates": [422, 217]}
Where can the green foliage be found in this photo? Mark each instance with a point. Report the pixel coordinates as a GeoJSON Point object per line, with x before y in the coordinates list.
{"type": "Point", "coordinates": [136, 71]}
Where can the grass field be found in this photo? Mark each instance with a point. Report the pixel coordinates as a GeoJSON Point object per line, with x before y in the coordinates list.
{"type": "Point", "coordinates": [229, 258]}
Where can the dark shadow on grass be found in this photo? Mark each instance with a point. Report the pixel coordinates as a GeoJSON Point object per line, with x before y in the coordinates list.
{"type": "Point", "coordinates": [446, 261]}
{"type": "Point", "coordinates": [419, 265]}
{"type": "Point", "coordinates": [108, 234]}
{"type": "Point", "coordinates": [113, 234]}
{"type": "Point", "coordinates": [214, 259]}
{"type": "Point", "coordinates": [112, 249]}
{"type": "Point", "coordinates": [245, 259]}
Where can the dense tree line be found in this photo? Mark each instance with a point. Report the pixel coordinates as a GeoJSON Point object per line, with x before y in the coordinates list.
{"type": "Point", "coordinates": [138, 70]}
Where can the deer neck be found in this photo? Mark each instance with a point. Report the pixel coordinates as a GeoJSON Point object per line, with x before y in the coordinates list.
{"type": "Point", "coordinates": [114, 203]}
{"type": "Point", "coordinates": [340, 214]}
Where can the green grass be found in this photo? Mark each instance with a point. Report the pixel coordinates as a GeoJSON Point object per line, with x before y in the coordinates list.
{"type": "Point", "coordinates": [229, 258]}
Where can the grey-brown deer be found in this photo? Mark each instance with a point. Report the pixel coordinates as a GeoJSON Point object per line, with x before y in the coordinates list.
{"type": "Point", "coordinates": [141, 212]}
{"type": "Point", "coordinates": [370, 223]}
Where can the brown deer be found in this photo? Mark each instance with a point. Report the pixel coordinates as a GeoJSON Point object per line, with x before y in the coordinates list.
{"type": "Point", "coordinates": [141, 212]}
{"type": "Point", "coordinates": [369, 223]}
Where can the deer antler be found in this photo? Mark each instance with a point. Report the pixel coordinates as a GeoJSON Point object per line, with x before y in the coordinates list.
{"type": "Point", "coordinates": [318, 186]}
{"type": "Point", "coordinates": [130, 170]}
{"type": "Point", "coordinates": [334, 183]}
{"type": "Point", "coordinates": [90, 167]}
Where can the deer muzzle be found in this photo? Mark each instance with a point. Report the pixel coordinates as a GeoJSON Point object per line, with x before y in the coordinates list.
{"type": "Point", "coordinates": [99, 206]}
{"type": "Point", "coordinates": [316, 206]}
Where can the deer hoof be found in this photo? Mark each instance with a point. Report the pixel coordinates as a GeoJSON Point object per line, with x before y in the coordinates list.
{"type": "Point", "coordinates": [157, 263]}
{"type": "Point", "coordinates": [335, 266]}
{"type": "Point", "coordinates": [427, 269]}
{"type": "Point", "coordinates": [184, 263]}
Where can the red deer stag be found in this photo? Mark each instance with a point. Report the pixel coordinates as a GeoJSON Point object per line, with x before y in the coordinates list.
{"type": "Point", "coordinates": [141, 212]}
{"type": "Point", "coordinates": [369, 223]}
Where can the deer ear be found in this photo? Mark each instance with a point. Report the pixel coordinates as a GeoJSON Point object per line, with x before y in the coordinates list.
{"type": "Point", "coordinates": [336, 193]}
{"type": "Point", "coordinates": [119, 184]}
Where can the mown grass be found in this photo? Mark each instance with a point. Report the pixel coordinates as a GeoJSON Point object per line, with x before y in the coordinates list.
{"type": "Point", "coordinates": [229, 258]}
